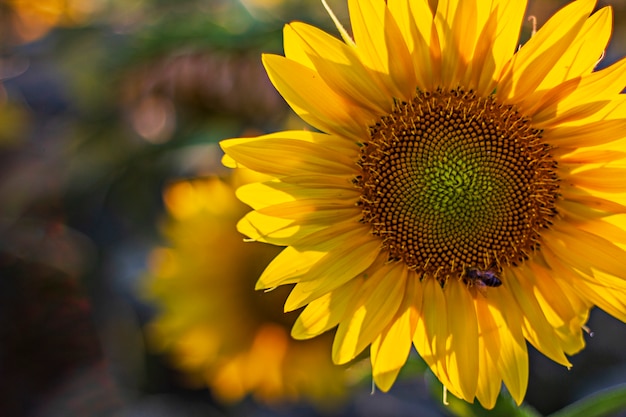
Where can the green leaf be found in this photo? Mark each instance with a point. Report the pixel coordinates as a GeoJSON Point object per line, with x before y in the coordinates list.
{"type": "Point", "coordinates": [603, 403]}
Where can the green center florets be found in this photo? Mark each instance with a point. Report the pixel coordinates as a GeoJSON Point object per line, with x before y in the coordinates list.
{"type": "Point", "coordinates": [452, 181]}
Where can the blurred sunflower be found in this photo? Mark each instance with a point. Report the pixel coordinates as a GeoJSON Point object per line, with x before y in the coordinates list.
{"type": "Point", "coordinates": [29, 20]}
{"type": "Point", "coordinates": [463, 196]}
{"type": "Point", "coordinates": [219, 331]}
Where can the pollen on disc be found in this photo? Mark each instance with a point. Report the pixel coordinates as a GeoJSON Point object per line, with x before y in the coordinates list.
{"type": "Point", "coordinates": [450, 180]}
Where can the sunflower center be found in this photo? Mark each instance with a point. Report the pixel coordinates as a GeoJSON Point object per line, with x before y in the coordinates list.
{"type": "Point", "coordinates": [452, 181]}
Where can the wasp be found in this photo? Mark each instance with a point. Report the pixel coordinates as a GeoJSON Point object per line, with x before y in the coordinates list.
{"type": "Point", "coordinates": [481, 279]}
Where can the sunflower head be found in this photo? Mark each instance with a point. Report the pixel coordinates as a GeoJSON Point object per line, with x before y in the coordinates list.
{"type": "Point", "coordinates": [212, 323]}
{"type": "Point", "coordinates": [461, 194]}
{"type": "Point", "coordinates": [452, 181]}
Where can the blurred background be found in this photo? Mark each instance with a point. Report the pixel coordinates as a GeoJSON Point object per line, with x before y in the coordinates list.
{"type": "Point", "coordinates": [124, 287]}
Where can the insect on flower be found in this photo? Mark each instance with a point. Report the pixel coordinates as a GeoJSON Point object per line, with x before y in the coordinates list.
{"type": "Point", "coordinates": [481, 279]}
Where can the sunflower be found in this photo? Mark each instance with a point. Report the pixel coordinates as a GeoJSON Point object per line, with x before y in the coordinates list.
{"type": "Point", "coordinates": [29, 20]}
{"type": "Point", "coordinates": [463, 195]}
{"type": "Point", "coordinates": [218, 331]}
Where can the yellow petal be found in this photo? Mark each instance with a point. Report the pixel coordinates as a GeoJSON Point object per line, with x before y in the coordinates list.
{"type": "Point", "coordinates": [599, 88]}
{"type": "Point", "coordinates": [288, 153]}
{"type": "Point", "coordinates": [333, 270]}
{"type": "Point", "coordinates": [609, 180]}
{"type": "Point", "coordinates": [536, 59]}
{"type": "Point", "coordinates": [375, 304]}
{"type": "Point", "coordinates": [316, 181]}
{"type": "Point", "coordinates": [602, 84]}
{"type": "Point", "coordinates": [321, 211]}
{"type": "Point", "coordinates": [391, 348]}
{"type": "Point", "coordinates": [399, 60]}
{"type": "Point", "coordinates": [605, 297]}
{"type": "Point", "coordinates": [263, 194]}
{"type": "Point", "coordinates": [498, 45]}
{"type": "Point", "coordinates": [489, 383]}
{"type": "Point", "coordinates": [287, 267]}
{"type": "Point", "coordinates": [594, 133]}
{"type": "Point", "coordinates": [583, 216]}
{"type": "Point", "coordinates": [577, 114]}
{"type": "Point", "coordinates": [580, 200]}
{"type": "Point", "coordinates": [274, 230]}
{"type": "Point", "coordinates": [313, 100]}
{"type": "Point", "coordinates": [229, 162]}
{"type": "Point", "coordinates": [505, 342]}
{"type": "Point", "coordinates": [584, 250]}
{"type": "Point", "coordinates": [448, 15]}
{"type": "Point", "coordinates": [462, 342]}
{"type": "Point", "coordinates": [597, 156]}
{"type": "Point", "coordinates": [294, 48]}
{"type": "Point", "coordinates": [381, 47]}
{"type": "Point", "coordinates": [608, 298]}
{"type": "Point", "coordinates": [338, 237]}
{"type": "Point", "coordinates": [325, 312]}
{"type": "Point", "coordinates": [339, 66]}
{"type": "Point", "coordinates": [481, 72]}
{"type": "Point", "coordinates": [367, 20]}
{"type": "Point", "coordinates": [294, 263]}
{"type": "Point", "coordinates": [415, 21]}
{"type": "Point", "coordinates": [605, 229]}
{"type": "Point", "coordinates": [489, 379]}
{"type": "Point", "coordinates": [561, 306]}
{"type": "Point", "coordinates": [583, 53]}
{"type": "Point", "coordinates": [537, 329]}
{"type": "Point", "coordinates": [431, 333]}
